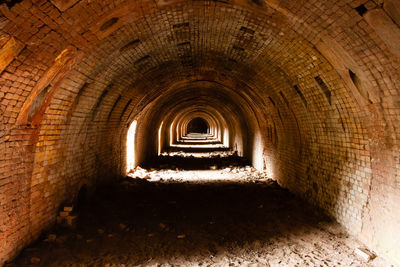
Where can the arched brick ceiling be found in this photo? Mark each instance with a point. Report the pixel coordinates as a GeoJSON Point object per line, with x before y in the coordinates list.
{"type": "Point", "coordinates": [321, 77]}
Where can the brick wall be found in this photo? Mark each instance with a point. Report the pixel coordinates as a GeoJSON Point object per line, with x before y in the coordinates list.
{"type": "Point", "coordinates": [322, 76]}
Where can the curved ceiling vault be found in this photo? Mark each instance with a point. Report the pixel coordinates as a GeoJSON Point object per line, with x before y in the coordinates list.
{"type": "Point", "coordinates": [308, 89]}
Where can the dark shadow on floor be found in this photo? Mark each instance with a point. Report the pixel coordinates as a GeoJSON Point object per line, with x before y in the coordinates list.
{"type": "Point", "coordinates": [136, 222]}
{"type": "Point", "coordinates": [192, 163]}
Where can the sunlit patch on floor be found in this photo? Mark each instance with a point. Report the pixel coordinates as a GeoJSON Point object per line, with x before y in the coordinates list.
{"type": "Point", "coordinates": [227, 174]}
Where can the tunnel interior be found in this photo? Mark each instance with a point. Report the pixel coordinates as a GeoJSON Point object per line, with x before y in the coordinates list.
{"type": "Point", "coordinates": [293, 99]}
{"type": "Point", "coordinates": [197, 125]}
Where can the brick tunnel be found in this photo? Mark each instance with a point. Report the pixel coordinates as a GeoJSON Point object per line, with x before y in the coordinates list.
{"type": "Point", "coordinates": [306, 91]}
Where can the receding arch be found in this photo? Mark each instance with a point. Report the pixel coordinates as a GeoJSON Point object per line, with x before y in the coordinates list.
{"type": "Point", "coordinates": [198, 125]}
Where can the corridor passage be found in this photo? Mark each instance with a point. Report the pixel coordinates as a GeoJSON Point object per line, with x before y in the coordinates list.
{"type": "Point", "coordinates": [199, 133]}
{"type": "Point", "coordinates": [197, 218]}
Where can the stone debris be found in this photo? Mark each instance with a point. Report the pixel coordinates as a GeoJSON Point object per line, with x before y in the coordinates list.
{"type": "Point", "coordinates": [253, 232]}
{"type": "Point", "coordinates": [64, 213]}
{"type": "Point", "coordinates": [66, 218]}
{"type": "Point", "coordinates": [247, 171]}
{"type": "Point", "coordinates": [139, 172]}
{"type": "Point", "coordinates": [68, 208]}
{"type": "Point", "coordinates": [365, 254]}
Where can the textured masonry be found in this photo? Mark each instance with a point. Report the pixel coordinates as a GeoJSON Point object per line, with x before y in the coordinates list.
{"type": "Point", "coordinates": [318, 80]}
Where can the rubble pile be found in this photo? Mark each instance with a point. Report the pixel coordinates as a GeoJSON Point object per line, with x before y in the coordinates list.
{"type": "Point", "coordinates": [247, 172]}
{"type": "Point", "coordinates": [142, 173]}
{"type": "Point", "coordinates": [66, 217]}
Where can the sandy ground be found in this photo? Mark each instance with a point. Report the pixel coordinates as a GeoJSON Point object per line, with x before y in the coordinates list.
{"type": "Point", "coordinates": [208, 218]}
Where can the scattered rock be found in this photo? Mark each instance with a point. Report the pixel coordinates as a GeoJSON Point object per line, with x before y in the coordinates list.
{"type": "Point", "coordinates": [65, 218]}
{"type": "Point", "coordinates": [68, 208]}
{"type": "Point", "coordinates": [365, 254]}
{"type": "Point", "coordinates": [64, 213]}
{"type": "Point", "coordinates": [138, 172]}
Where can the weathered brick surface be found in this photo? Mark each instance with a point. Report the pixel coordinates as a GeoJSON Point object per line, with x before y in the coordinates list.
{"type": "Point", "coordinates": [321, 76]}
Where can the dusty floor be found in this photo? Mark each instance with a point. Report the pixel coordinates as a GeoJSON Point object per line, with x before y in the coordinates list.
{"type": "Point", "coordinates": [228, 220]}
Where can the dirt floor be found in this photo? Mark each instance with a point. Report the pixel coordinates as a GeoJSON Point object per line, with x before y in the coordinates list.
{"type": "Point", "coordinates": [229, 219]}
